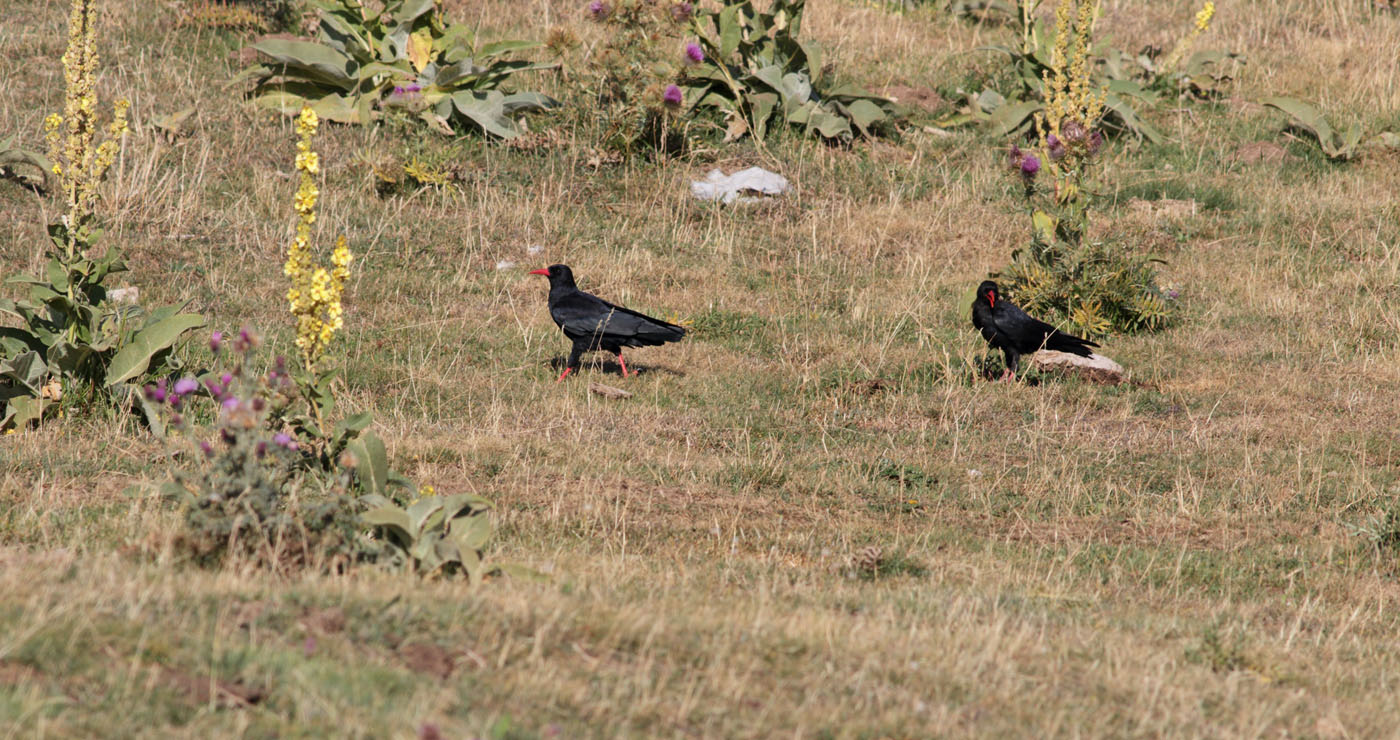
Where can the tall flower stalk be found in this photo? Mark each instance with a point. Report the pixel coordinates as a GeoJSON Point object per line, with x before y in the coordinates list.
{"type": "Point", "coordinates": [315, 292]}
{"type": "Point", "coordinates": [1097, 287]}
{"type": "Point", "coordinates": [80, 163]}
{"type": "Point", "coordinates": [1200, 26]}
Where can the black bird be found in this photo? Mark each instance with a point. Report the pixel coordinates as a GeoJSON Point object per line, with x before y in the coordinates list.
{"type": "Point", "coordinates": [1006, 327]}
{"type": "Point", "coordinates": [593, 323]}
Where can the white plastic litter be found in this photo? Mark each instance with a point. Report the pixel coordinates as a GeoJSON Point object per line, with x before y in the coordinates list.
{"type": "Point", "coordinates": [739, 186]}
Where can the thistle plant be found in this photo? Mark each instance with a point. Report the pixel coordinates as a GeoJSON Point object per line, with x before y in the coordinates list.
{"type": "Point", "coordinates": [255, 488]}
{"type": "Point", "coordinates": [1096, 287]}
{"type": "Point", "coordinates": [74, 343]}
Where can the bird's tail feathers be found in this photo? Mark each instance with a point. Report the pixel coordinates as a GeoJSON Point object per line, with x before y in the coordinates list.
{"type": "Point", "coordinates": [1061, 342]}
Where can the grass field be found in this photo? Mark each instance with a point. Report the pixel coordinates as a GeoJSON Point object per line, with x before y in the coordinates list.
{"type": "Point", "coordinates": [1176, 556]}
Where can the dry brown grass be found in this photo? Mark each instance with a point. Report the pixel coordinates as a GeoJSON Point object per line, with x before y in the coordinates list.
{"type": "Point", "coordinates": [1165, 559]}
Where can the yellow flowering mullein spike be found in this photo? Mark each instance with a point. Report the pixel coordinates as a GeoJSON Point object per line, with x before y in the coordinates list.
{"type": "Point", "coordinates": [314, 294]}
{"type": "Point", "coordinates": [1074, 102]}
{"type": "Point", "coordinates": [1203, 18]}
{"type": "Point", "coordinates": [78, 162]}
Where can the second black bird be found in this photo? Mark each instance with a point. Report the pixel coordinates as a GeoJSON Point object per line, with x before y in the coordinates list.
{"type": "Point", "coordinates": [1006, 327]}
{"type": "Point", "coordinates": [594, 324]}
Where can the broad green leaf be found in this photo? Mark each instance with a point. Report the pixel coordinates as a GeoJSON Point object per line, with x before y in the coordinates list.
{"type": "Point", "coordinates": [412, 10]}
{"type": "Point", "coordinates": [419, 512]}
{"type": "Point", "coordinates": [456, 74]}
{"type": "Point", "coordinates": [337, 108]}
{"type": "Point", "coordinates": [829, 125]}
{"type": "Point", "coordinates": [353, 425]}
{"type": "Point", "coordinates": [135, 357]}
{"type": "Point", "coordinates": [864, 114]}
{"type": "Point", "coordinates": [24, 409]}
{"type": "Point", "coordinates": [729, 31]}
{"type": "Point", "coordinates": [471, 532]}
{"type": "Point", "coordinates": [763, 105]}
{"type": "Point", "coordinates": [28, 370]}
{"type": "Point", "coordinates": [527, 102]}
{"type": "Point", "coordinates": [1012, 117]}
{"type": "Point", "coordinates": [487, 111]}
{"type": "Point", "coordinates": [68, 358]}
{"type": "Point", "coordinates": [1305, 116]}
{"type": "Point", "coordinates": [372, 462]}
{"type": "Point", "coordinates": [391, 517]}
{"type": "Point", "coordinates": [1130, 119]}
{"type": "Point", "coordinates": [317, 61]}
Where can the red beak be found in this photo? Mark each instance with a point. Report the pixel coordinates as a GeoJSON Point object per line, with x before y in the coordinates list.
{"type": "Point", "coordinates": [541, 271]}
{"type": "Point", "coordinates": [991, 299]}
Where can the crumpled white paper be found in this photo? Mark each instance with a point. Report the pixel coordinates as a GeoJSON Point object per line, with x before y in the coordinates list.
{"type": "Point", "coordinates": [738, 186]}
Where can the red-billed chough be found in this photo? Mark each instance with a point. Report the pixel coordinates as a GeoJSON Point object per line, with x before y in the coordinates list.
{"type": "Point", "coordinates": [1006, 327]}
{"type": "Point", "coordinates": [593, 324]}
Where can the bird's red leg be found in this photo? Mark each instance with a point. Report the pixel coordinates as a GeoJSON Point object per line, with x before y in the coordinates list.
{"type": "Point", "coordinates": [623, 363]}
{"type": "Point", "coordinates": [567, 370]}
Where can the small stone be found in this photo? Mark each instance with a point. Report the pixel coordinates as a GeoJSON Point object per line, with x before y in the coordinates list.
{"type": "Point", "coordinates": [1095, 368]}
{"type": "Point", "coordinates": [607, 391]}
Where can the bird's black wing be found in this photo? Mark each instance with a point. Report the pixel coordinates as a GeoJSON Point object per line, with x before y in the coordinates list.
{"type": "Point", "coordinates": [585, 316]}
{"type": "Point", "coordinates": [1031, 334]}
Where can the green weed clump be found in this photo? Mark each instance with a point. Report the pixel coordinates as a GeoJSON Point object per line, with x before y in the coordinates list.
{"type": "Point", "coordinates": [670, 72]}
{"type": "Point", "coordinates": [1095, 287]}
{"type": "Point", "coordinates": [279, 485]}
{"type": "Point", "coordinates": [74, 345]}
{"type": "Point", "coordinates": [404, 60]}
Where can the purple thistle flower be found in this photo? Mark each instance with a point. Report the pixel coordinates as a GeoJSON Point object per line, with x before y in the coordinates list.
{"type": "Point", "coordinates": [1017, 156]}
{"type": "Point", "coordinates": [259, 405]}
{"type": "Point", "coordinates": [694, 53]}
{"type": "Point", "coordinates": [1095, 141]}
{"type": "Point", "coordinates": [155, 393]}
{"type": "Point", "coordinates": [598, 9]}
{"type": "Point", "coordinates": [215, 390]}
{"type": "Point", "coordinates": [261, 449]}
{"type": "Point", "coordinates": [207, 449]}
{"type": "Point", "coordinates": [185, 386]}
{"type": "Point", "coordinates": [673, 96]}
{"type": "Point", "coordinates": [1030, 165]}
{"type": "Point", "coordinates": [680, 12]}
{"type": "Point", "coordinates": [1056, 147]}
{"type": "Point", "coordinates": [216, 340]}
{"type": "Point", "coordinates": [1172, 294]}
{"type": "Point", "coordinates": [226, 378]}
{"type": "Point", "coordinates": [230, 404]}
{"type": "Point", "coordinates": [282, 439]}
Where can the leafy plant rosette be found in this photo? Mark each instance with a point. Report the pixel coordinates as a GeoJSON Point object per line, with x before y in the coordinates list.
{"type": "Point", "coordinates": [404, 57]}
{"type": "Point", "coordinates": [263, 485]}
{"type": "Point", "coordinates": [758, 76]}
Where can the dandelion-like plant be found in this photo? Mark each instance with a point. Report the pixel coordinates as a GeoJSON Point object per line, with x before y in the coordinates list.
{"type": "Point", "coordinates": [315, 292]}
